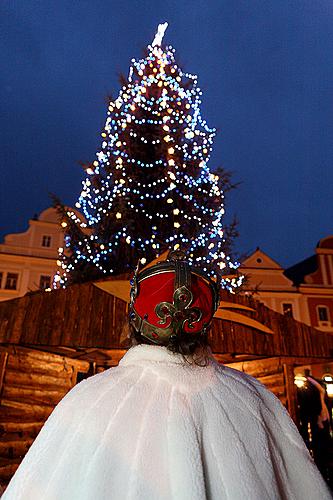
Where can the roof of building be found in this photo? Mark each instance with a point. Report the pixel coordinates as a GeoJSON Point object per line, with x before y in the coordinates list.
{"type": "Point", "coordinates": [298, 272]}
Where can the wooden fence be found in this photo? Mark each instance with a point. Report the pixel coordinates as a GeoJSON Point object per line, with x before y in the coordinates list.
{"type": "Point", "coordinates": [85, 316]}
{"type": "Point", "coordinates": [42, 335]}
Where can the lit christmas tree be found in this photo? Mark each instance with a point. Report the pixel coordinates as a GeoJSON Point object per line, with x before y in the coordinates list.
{"type": "Point", "coordinates": [150, 188]}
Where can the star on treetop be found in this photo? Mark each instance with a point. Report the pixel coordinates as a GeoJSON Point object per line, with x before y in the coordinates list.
{"type": "Point", "coordinates": [160, 34]}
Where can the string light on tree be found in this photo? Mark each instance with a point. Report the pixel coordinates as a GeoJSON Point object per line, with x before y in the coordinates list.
{"type": "Point", "coordinates": [150, 187]}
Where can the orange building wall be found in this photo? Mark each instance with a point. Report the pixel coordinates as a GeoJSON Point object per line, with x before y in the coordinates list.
{"type": "Point", "coordinates": [313, 302]}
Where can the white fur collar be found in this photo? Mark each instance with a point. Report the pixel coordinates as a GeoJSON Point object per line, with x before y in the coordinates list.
{"type": "Point", "coordinates": [150, 353]}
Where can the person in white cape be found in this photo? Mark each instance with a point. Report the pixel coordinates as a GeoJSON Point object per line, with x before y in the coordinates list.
{"type": "Point", "coordinates": [169, 423]}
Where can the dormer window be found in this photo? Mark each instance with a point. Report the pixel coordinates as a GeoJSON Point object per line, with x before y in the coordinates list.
{"type": "Point", "coordinates": [287, 309]}
{"type": "Point", "coordinates": [46, 241]}
{"type": "Point", "coordinates": [323, 314]}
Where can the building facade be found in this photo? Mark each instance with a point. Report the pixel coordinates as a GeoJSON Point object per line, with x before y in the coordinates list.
{"type": "Point", "coordinates": [28, 260]}
{"type": "Point", "coordinates": [303, 291]}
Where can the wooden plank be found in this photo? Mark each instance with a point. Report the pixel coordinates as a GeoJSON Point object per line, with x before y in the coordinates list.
{"type": "Point", "coordinates": [291, 394]}
{"type": "Point", "coordinates": [42, 358]}
{"type": "Point", "coordinates": [32, 428]}
{"type": "Point", "coordinates": [46, 319]}
{"type": "Point", "coordinates": [33, 395]}
{"type": "Point", "coordinates": [70, 317]}
{"type": "Point", "coordinates": [11, 318]}
{"type": "Point", "coordinates": [278, 391]}
{"type": "Point", "coordinates": [35, 411]}
{"type": "Point", "coordinates": [95, 335]}
{"type": "Point", "coordinates": [22, 364]}
{"type": "Point", "coordinates": [259, 368]}
{"type": "Point", "coordinates": [121, 322]}
{"type": "Point", "coordinates": [17, 448]}
{"type": "Point", "coordinates": [32, 319]}
{"type": "Point", "coordinates": [8, 468]}
{"type": "Point", "coordinates": [29, 378]}
{"type": "Point", "coordinates": [7, 308]}
{"type": "Point", "coordinates": [86, 305]}
{"type": "Point", "coordinates": [19, 318]}
{"type": "Point", "coordinates": [3, 364]}
{"type": "Point", "coordinates": [276, 379]}
{"type": "Point", "coordinates": [59, 299]}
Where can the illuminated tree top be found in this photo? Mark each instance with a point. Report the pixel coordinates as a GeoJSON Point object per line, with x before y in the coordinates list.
{"type": "Point", "coordinates": [150, 187]}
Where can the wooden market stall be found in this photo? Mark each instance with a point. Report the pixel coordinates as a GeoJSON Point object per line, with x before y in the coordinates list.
{"type": "Point", "coordinates": [49, 341]}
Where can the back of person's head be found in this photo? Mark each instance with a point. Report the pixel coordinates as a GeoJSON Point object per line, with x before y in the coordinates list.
{"type": "Point", "coordinates": [172, 305]}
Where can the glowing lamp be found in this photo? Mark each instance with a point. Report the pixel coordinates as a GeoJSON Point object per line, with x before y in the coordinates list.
{"type": "Point", "coordinates": [299, 381]}
{"type": "Point", "coordinates": [328, 379]}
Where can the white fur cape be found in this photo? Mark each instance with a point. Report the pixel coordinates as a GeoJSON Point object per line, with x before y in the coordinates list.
{"type": "Point", "coordinates": [157, 428]}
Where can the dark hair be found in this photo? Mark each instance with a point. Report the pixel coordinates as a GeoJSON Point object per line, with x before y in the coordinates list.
{"type": "Point", "coordinates": [194, 347]}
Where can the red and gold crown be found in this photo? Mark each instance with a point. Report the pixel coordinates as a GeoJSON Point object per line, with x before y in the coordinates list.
{"type": "Point", "coordinates": [171, 298]}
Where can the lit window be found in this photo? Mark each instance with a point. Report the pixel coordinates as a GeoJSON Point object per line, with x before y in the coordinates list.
{"type": "Point", "coordinates": [11, 281]}
{"type": "Point", "coordinates": [46, 241]}
{"type": "Point", "coordinates": [322, 312]}
{"type": "Point", "coordinates": [44, 282]}
{"type": "Point", "coordinates": [288, 310]}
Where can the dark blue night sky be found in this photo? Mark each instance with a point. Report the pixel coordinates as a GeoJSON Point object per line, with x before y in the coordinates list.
{"type": "Point", "coordinates": [265, 68]}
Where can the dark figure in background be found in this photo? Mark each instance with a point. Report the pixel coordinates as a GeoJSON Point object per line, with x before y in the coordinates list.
{"type": "Point", "coordinates": [315, 424]}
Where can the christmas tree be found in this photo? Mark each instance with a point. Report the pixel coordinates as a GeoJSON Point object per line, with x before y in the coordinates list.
{"type": "Point", "coordinates": [150, 188]}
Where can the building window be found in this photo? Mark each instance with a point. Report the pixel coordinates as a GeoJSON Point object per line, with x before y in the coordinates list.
{"type": "Point", "coordinates": [322, 313]}
{"type": "Point", "coordinates": [287, 310]}
{"type": "Point", "coordinates": [46, 241]}
{"type": "Point", "coordinates": [44, 282]}
{"type": "Point", "coordinates": [11, 281]}
{"type": "Point", "coordinates": [1, 275]}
